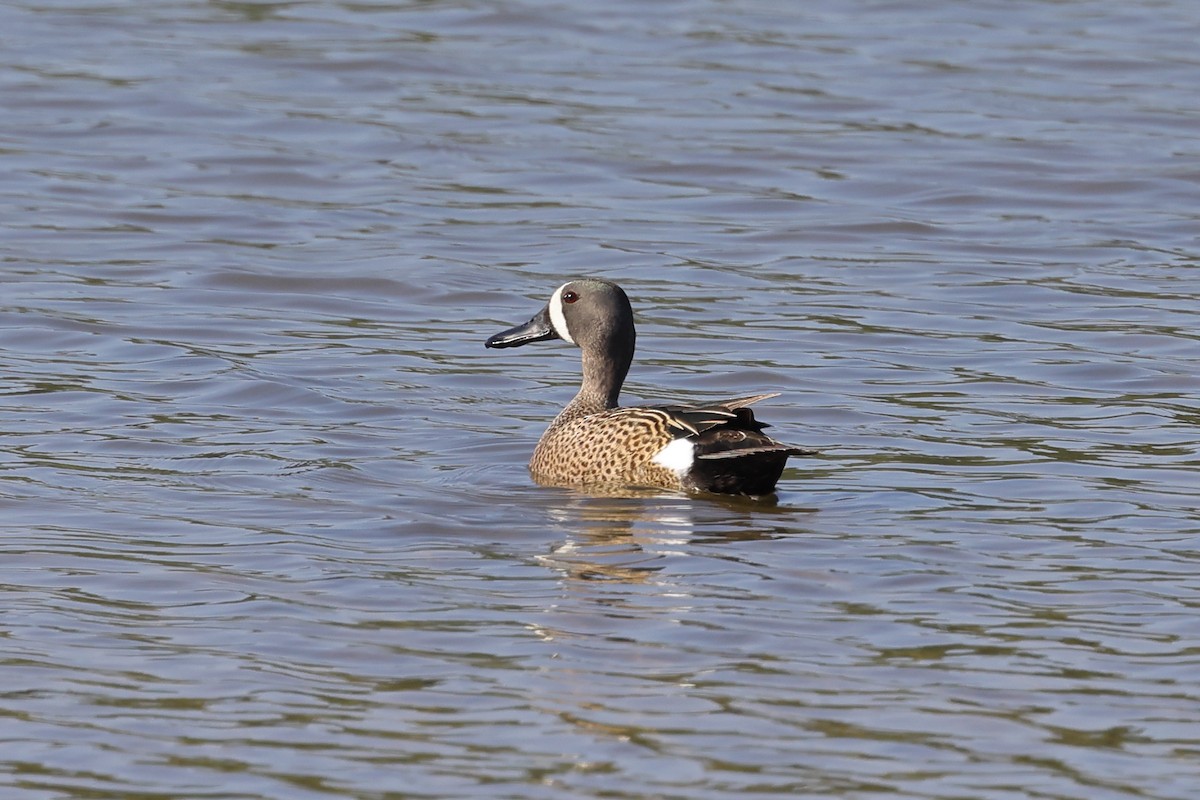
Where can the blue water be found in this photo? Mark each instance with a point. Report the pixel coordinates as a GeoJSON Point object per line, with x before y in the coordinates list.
{"type": "Point", "coordinates": [265, 525]}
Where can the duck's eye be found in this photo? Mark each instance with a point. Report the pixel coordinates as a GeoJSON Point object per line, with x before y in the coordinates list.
{"type": "Point", "coordinates": [570, 297]}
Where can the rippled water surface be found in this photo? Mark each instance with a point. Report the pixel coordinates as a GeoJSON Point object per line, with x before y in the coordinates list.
{"type": "Point", "coordinates": [266, 526]}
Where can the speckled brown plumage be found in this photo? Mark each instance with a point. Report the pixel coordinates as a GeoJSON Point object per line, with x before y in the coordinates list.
{"type": "Point", "coordinates": [612, 446]}
{"type": "Point", "coordinates": [717, 447]}
{"type": "Point", "coordinates": [617, 447]}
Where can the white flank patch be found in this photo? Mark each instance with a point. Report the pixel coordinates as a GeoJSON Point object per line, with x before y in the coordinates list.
{"type": "Point", "coordinates": [678, 456]}
{"type": "Point", "coordinates": [557, 318]}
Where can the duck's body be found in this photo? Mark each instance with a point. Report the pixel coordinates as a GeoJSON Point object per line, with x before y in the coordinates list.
{"type": "Point", "coordinates": [717, 447]}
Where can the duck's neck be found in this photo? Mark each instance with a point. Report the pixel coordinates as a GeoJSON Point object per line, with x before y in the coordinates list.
{"type": "Point", "coordinates": [603, 375]}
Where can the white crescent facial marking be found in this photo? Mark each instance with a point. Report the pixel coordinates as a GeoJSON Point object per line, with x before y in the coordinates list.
{"type": "Point", "coordinates": [677, 456]}
{"type": "Point", "coordinates": [557, 318]}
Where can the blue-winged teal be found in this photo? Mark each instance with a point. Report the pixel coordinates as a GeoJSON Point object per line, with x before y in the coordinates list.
{"type": "Point", "coordinates": [718, 447]}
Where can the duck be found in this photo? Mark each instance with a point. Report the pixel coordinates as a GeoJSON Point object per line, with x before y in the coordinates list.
{"type": "Point", "coordinates": [714, 447]}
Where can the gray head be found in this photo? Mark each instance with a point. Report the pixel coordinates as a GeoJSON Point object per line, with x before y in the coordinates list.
{"type": "Point", "coordinates": [592, 314]}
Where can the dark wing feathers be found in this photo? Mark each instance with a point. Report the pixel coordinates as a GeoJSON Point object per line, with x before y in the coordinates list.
{"type": "Point", "coordinates": [732, 454]}
{"type": "Point", "coordinates": [695, 420]}
{"type": "Point", "coordinates": [758, 450]}
{"type": "Point", "coordinates": [742, 402]}
{"type": "Point", "coordinates": [726, 429]}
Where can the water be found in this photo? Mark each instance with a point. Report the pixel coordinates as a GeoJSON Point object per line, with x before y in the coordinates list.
{"type": "Point", "coordinates": [266, 527]}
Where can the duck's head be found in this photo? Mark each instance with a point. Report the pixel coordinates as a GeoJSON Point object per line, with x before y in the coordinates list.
{"type": "Point", "coordinates": [593, 314]}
